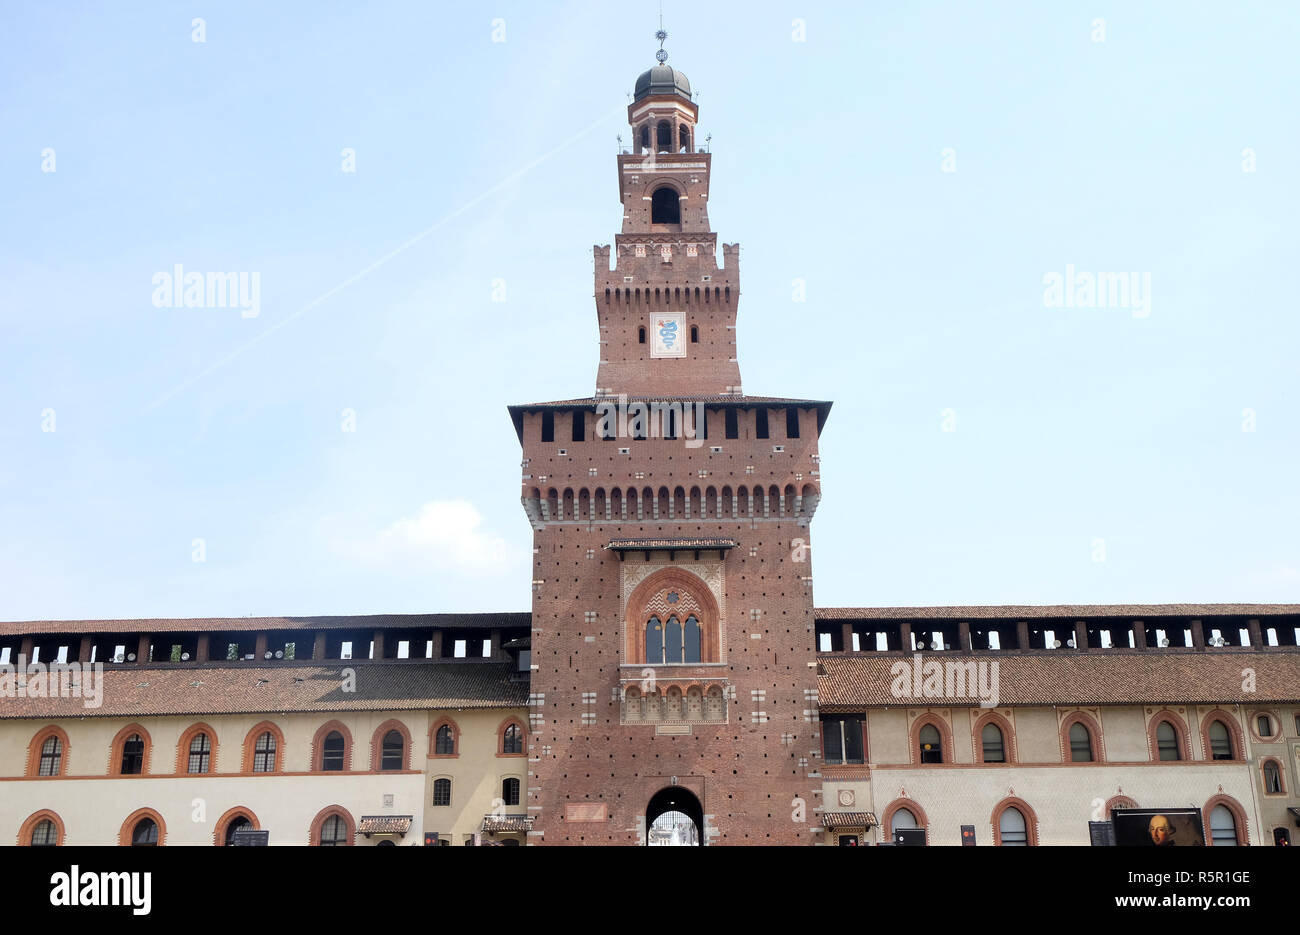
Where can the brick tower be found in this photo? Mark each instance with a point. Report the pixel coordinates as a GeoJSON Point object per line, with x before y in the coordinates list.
{"type": "Point", "coordinates": [672, 649]}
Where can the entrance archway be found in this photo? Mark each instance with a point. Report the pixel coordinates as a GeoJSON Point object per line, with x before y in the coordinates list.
{"type": "Point", "coordinates": [674, 817]}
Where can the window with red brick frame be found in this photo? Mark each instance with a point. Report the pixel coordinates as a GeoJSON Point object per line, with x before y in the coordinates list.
{"type": "Point", "coordinates": [126, 836]}
{"type": "Point", "coordinates": [1005, 825]}
{"type": "Point", "coordinates": [321, 740]}
{"type": "Point", "coordinates": [45, 758]}
{"type": "Point", "coordinates": [239, 814]}
{"type": "Point", "coordinates": [189, 753]}
{"type": "Point", "coordinates": [30, 829]}
{"type": "Point", "coordinates": [444, 738]}
{"type": "Point", "coordinates": [510, 738]}
{"type": "Point", "coordinates": [333, 826]}
{"type": "Point", "coordinates": [384, 753]}
{"type": "Point", "coordinates": [130, 748]}
{"type": "Point", "coordinates": [263, 755]}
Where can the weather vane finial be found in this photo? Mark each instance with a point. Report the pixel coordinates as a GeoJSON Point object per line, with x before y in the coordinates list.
{"type": "Point", "coordinates": [661, 56]}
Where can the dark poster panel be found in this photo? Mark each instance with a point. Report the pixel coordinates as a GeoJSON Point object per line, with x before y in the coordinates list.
{"type": "Point", "coordinates": [1158, 827]}
{"type": "Point", "coordinates": [1101, 833]}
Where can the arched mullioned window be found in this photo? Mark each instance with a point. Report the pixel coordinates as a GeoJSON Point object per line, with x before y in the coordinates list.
{"type": "Point", "coordinates": [392, 750]}
{"type": "Point", "coordinates": [1013, 832]}
{"type": "Point", "coordinates": [512, 740]}
{"type": "Point", "coordinates": [264, 753]}
{"type": "Point", "coordinates": [145, 833]}
{"type": "Point", "coordinates": [654, 642]}
{"type": "Point", "coordinates": [673, 640]}
{"type": "Point", "coordinates": [199, 759]}
{"type": "Point", "coordinates": [691, 649]}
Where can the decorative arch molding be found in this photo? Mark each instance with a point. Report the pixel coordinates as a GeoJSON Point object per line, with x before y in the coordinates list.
{"type": "Point", "coordinates": [1238, 818]}
{"type": "Point", "coordinates": [128, 826]}
{"type": "Point", "coordinates": [239, 811]}
{"type": "Point", "coordinates": [377, 744]}
{"type": "Point", "coordinates": [250, 746]}
{"type": "Point", "coordinates": [318, 824]}
{"type": "Point", "coordinates": [1025, 809]}
{"type": "Point", "coordinates": [1234, 734]}
{"type": "Point", "coordinates": [449, 722]}
{"type": "Point", "coordinates": [183, 749]}
{"type": "Point", "coordinates": [1180, 732]}
{"type": "Point", "coordinates": [930, 716]}
{"type": "Point", "coordinates": [1002, 724]}
{"type": "Point", "coordinates": [1117, 801]}
{"type": "Point", "coordinates": [887, 816]}
{"type": "Point", "coordinates": [638, 610]}
{"type": "Point", "coordinates": [115, 751]}
{"type": "Point", "coordinates": [1093, 725]}
{"type": "Point", "coordinates": [501, 736]}
{"type": "Point", "coordinates": [38, 741]}
{"type": "Point", "coordinates": [29, 826]}
{"type": "Point", "coordinates": [318, 746]}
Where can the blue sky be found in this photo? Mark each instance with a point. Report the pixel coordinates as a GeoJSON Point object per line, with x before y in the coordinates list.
{"type": "Point", "coordinates": [479, 160]}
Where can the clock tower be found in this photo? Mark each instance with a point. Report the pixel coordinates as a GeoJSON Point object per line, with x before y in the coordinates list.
{"type": "Point", "coordinates": [673, 658]}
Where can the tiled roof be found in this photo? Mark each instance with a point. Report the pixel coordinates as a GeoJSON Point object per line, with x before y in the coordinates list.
{"type": "Point", "coordinates": [133, 691]}
{"type": "Point", "coordinates": [506, 823]}
{"type": "Point", "coordinates": [849, 820]}
{"type": "Point", "coordinates": [652, 545]}
{"type": "Point", "coordinates": [1152, 677]}
{"type": "Point", "coordinates": [230, 624]}
{"type": "Point", "coordinates": [384, 824]}
{"type": "Point", "coordinates": [1071, 611]}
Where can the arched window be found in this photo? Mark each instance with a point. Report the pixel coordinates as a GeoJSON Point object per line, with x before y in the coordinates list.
{"type": "Point", "coordinates": [665, 206]}
{"type": "Point", "coordinates": [931, 744]}
{"type": "Point", "coordinates": [331, 760]}
{"type": "Point", "coordinates": [903, 819]}
{"type": "Point", "coordinates": [1220, 741]}
{"type": "Point", "coordinates": [1080, 744]}
{"type": "Point", "coordinates": [684, 134]}
{"type": "Point", "coordinates": [645, 137]}
{"type": "Point", "coordinates": [695, 334]}
{"type": "Point", "coordinates": [391, 757]}
{"type": "Point", "coordinates": [133, 756]}
{"type": "Point", "coordinates": [264, 753]}
{"type": "Point", "coordinates": [654, 642]}
{"type": "Point", "coordinates": [51, 757]}
{"type": "Point", "coordinates": [1223, 827]}
{"type": "Point", "coordinates": [692, 640]}
{"type": "Point", "coordinates": [510, 791]}
{"type": "Point", "coordinates": [1272, 778]}
{"type": "Point", "coordinates": [673, 640]}
{"type": "Point", "coordinates": [512, 740]}
{"type": "Point", "coordinates": [640, 335]}
{"type": "Point", "coordinates": [1264, 726]}
{"type": "Point", "coordinates": [1167, 742]}
{"type": "Point", "coordinates": [1012, 828]}
{"type": "Point", "coordinates": [45, 834]}
{"type": "Point", "coordinates": [444, 743]}
{"type": "Point", "coordinates": [994, 747]}
{"type": "Point", "coordinates": [664, 136]}
{"type": "Point", "coordinates": [145, 833]}
{"type": "Point", "coordinates": [200, 754]}
{"type": "Point", "coordinates": [334, 832]}
{"type": "Point", "coordinates": [442, 792]}
{"type": "Point", "coordinates": [237, 824]}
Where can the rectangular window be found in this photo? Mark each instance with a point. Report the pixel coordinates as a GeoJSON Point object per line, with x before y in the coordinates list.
{"type": "Point", "coordinates": [579, 426]}
{"type": "Point", "coordinates": [760, 424]}
{"type": "Point", "coordinates": [842, 739]}
{"type": "Point", "coordinates": [792, 423]}
{"type": "Point", "coordinates": [733, 424]}
{"type": "Point", "coordinates": [548, 426]}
